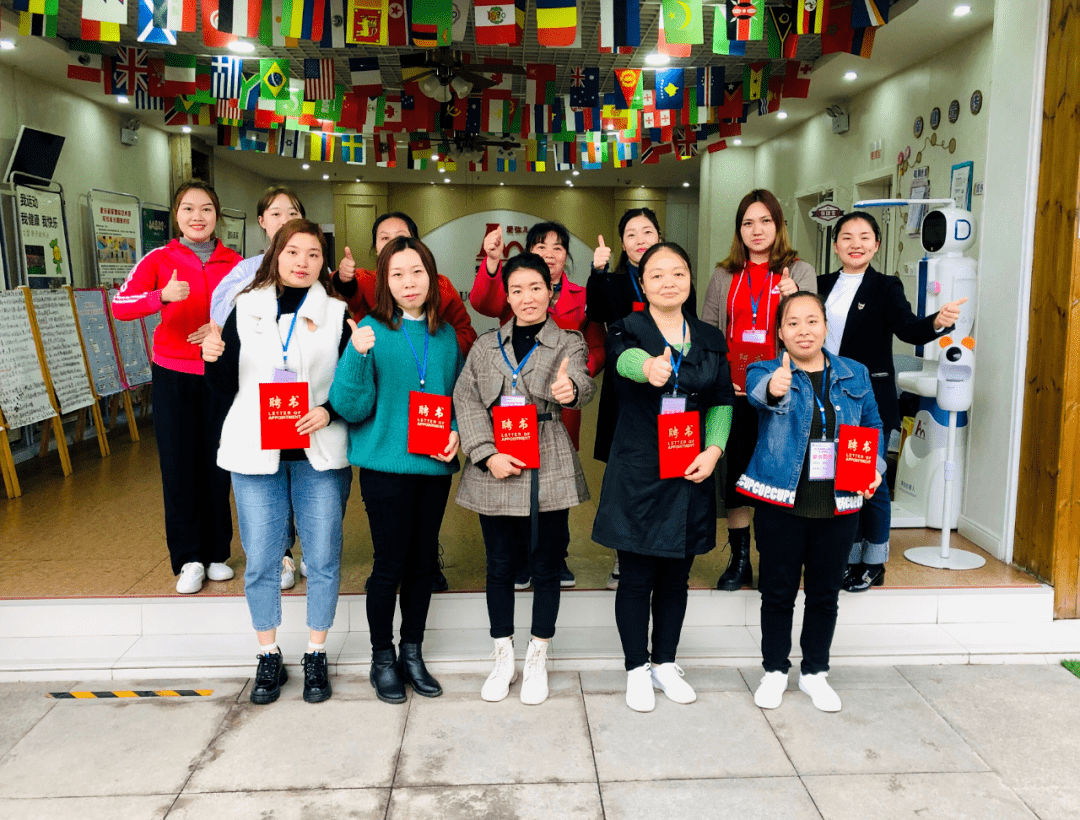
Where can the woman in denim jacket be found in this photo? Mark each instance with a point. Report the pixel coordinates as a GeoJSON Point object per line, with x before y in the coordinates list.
{"type": "Point", "coordinates": [805, 527]}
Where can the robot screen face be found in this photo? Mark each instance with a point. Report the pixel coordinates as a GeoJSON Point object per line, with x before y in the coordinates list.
{"type": "Point", "coordinates": [948, 230]}
{"type": "Point", "coordinates": [935, 231]}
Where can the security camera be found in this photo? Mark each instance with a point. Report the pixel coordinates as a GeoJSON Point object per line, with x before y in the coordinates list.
{"type": "Point", "coordinates": [133, 124]}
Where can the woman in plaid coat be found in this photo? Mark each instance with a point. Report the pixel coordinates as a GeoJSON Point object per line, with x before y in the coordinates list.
{"type": "Point", "coordinates": [529, 360]}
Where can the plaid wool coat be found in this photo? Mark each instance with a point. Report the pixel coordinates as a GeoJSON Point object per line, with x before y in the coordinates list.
{"type": "Point", "coordinates": [485, 379]}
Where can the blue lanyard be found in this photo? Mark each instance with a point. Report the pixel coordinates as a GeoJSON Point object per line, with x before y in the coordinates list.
{"type": "Point", "coordinates": [420, 368]}
{"type": "Point", "coordinates": [761, 292]}
{"type": "Point", "coordinates": [821, 401]}
{"type": "Point", "coordinates": [676, 363]}
{"type": "Point", "coordinates": [633, 281]}
{"type": "Point", "coordinates": [292, 327]}
{"type": "Point", "coordinates": [515, 370]}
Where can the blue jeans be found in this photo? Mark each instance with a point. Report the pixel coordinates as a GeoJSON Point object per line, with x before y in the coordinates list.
{"type": "Point", "coordinates": [872, 537]}
{"type": "Point", "coordinates": [318, 501]}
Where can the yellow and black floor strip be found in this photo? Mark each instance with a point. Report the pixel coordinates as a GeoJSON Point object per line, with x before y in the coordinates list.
{"type": "Point", "coordinates": [157, 693]}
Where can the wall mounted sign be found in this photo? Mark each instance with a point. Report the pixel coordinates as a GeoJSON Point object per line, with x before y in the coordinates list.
{"type": "Point", "coordinates": [954, 110]}
{"type": "Point", "coordinates": [918, 129]}
{"type": "Point", "coordinates": [976, 101]}
{"type": "Point", "coordinates": [935, 118]}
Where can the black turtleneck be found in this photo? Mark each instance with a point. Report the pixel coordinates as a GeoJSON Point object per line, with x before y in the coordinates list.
{"type": "Point", "coordinates": [523, 338]}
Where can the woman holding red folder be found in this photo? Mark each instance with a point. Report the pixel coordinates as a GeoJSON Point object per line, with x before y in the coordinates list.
{"type": "Point", "coordinates": [517, 379]}
{"type": "Point", "coordinates": [805, 524]}
{"type": "Point", "coordinates": [741, 300]}
{"type": "Point", "coordinates": [394, 385]}
{"type": "Point", "coordinates": [672, 377]}
{"type": "Point", "coordinates": [284, 337]}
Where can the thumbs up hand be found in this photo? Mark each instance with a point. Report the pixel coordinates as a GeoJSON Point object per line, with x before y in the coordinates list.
{"type": "Point", "coordinates": [949, 314]}
{"type": "Point", "coordinates": [787, 285]}
{"type": "Point", "coordinates": [493, 247]}
{"type": "Point", "coordinates": [780, 381]}
{"type": "Point", "coordinates": [602, 255]}
{"type": "Point", "coordinates": [363, 338]}
{"type": "Point", "coordinates": [563, 388]}
{"type": "Point", "coordinates": [175, 290]}
{"type": "Point", "coordinates": [347, 269]}
{"type": "Point", "coordinates": [658, 369]}
{"type": "Point", "coordinates": [212, 344]}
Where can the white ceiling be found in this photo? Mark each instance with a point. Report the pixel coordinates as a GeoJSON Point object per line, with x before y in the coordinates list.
{"type": "Point", "coordinates": [917, 30]}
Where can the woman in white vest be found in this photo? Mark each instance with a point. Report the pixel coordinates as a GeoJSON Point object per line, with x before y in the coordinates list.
{"type": "Point", "coordinates": [285, 337]}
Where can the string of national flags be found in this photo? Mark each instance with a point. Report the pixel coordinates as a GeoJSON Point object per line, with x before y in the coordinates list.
{"type": "Point", "coordinates": [297, 108]}
{"type": "Point", "coordinates": [841, 25]}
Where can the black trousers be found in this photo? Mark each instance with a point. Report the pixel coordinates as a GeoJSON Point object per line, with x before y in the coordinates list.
{"type": "Point", "coordinates": [650, 583]}
{"type": "Point", "coordinates": [405, 513]}
{"type": "Point", "coordinates": [187, 425]}
{"type": "Point", "coordinates": [816, 549]}
{"type": "Point", "coordinates": [506, 538]}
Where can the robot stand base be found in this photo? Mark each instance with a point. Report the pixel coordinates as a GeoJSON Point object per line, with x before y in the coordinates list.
{"type": "Point", "coordinates": [931, 557]}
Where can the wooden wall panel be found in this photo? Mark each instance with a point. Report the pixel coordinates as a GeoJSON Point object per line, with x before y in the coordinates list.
{"type": "Point", "coordinates": [1048, 500]}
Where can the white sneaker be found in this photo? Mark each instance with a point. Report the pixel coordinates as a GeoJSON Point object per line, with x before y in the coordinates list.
{"type": "Point", "coordinates": [220, 572]}
{"type": "Point", "coordinates": [497, 685]}
{"type": "Point", "coordinates": [288, 573]}
{"type": "Point", "coordinates": [613, 577]}
{"type": "Point", "coordinates": [668, 678]}
{"type": "Point", "coordinates": [534, 679]}
{"type": "Point", "coordinates": [823, 695]}
{"type": "Point", "coordinates": [303, 566]}
{"type": "Point", "coordinates": [191, 578]}
{"type": "Point", "coordinates": [639, 689]}
{"type": "Point", "coordinates": [771, 690]}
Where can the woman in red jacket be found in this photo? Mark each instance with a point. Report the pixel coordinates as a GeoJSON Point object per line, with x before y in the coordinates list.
{"type": "Point", "coordinates": [177, 280]}
{"type": "Point", "coordinates": [358, 285]}
{"type": "Point", "coordinates": [550, 241]}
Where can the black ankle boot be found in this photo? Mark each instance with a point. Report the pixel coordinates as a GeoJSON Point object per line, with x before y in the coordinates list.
{"type": "Point", "coordinates": [873, 575]}
{"type": "Point", "coordinates": [384, 676]}
{"type": "Point", "coordinates": [738, 573]}
{"type": "Point", "coordinates": [411, 669]}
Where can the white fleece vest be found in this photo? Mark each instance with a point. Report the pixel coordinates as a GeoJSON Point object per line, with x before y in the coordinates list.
{"type": "Point", "coordinates": [313, 356]}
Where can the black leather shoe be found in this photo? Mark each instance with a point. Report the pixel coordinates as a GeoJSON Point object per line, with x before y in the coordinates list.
{"type": "Point", "coordinates": [316, 678]}
{"type": "Point", "coordinates": [852, 576]}
{"type": "Point", "coordinates": [412, 670]}
{"type": "Point", "coordinates": [269, 678]}
{"type": "Point", "coordinates": [439, 582]}
{"type": "Point", "coordinates": [872, 576]}
{"type": "Point", "coordinates": [385, 678]}
{"type": "Point", "coordinates": [739, 573]}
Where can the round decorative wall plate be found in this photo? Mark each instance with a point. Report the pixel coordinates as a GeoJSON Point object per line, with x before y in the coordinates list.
{"type": "Point", "coordinates": [954, 110]}
{"type": "Point", "coordinates": [918, 129]}
{"type": "Point", "coordinates": [976, 101]}
{"type": "Point", "coordinates": [935, 118]}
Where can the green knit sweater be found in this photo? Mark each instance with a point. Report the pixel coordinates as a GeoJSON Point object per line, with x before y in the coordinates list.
{"type": "Point", "coordinates": [371, 392]}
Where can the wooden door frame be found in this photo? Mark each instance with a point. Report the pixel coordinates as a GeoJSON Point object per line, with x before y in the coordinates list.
{"type": "Point", "coordinates": [1047, 529]}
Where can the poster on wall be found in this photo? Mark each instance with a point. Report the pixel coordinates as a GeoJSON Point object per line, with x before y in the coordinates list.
{"type": "Point", "coordinates": [43, 238]}
{"type": "Point", "coordinates": [231, 230]}
{"type": "Point", "coordinates": [960, 184]}
{"type": "Point", "coordinates": [155, 227]}
{"type": "Point", "coordinates": [458, 247]}
{"type": "Point", "coordinates": [116, 220]}
{"type": "Point", "coordinates": [920, 189]}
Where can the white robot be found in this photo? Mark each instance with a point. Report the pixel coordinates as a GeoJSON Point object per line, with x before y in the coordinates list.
{"type": "Point", "coordinates": [932, 461]}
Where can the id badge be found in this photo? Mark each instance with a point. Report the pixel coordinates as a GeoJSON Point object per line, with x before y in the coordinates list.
{"type": "Point", "coordinates": [638, 307]}
{"type": "Point", "coordinates": [672, 404]}
{"type": "Point", "coordinates": [512, 401]}
{"type": "Point", "coordinates": [755, 337]}
{"type": "Point", "coordinates": [822, 460]}
{"type": "Point", "coordinates": [283, 376]}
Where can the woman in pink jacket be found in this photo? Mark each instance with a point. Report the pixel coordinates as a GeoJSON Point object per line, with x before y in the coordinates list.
{"type": "Point", "coordinates": [177, 280]}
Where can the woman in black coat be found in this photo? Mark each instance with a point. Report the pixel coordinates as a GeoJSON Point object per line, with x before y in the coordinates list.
{"type": "Point", "coordinates": [665, 361]}
{"type": "Point", "coordinates": [865, 309]}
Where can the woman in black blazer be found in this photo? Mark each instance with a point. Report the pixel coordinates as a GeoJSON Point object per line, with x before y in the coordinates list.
{"type": "Point", "coordinates": [864, 310]}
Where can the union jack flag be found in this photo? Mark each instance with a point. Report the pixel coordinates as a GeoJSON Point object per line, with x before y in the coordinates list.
{"type": "Point", "coordinates": [130, 71]}
{"type": "Point", "coordinates": [577, 77]}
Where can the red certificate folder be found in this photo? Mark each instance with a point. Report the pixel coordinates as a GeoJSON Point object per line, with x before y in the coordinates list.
{"type": "Point", "coordinates": [680, 442]}
{"type": "Point", "coordinates": [516, 433]}
{"type": "Point", "coordinates": [429, 423]}
{"type": "Point", "coordinates": [856, 458]}
{"type": "Point", "coordinates": [741, 355]}
{"type": "Point", "coordinates": [281, 405]}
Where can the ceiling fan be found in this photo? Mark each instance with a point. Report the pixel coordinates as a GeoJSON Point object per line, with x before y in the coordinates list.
{"type": "Point", "coordinates": [442, 72]}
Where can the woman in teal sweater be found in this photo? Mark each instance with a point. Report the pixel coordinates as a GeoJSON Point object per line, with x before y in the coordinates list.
{"type": "Point", "coordinates": [393, 385]}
